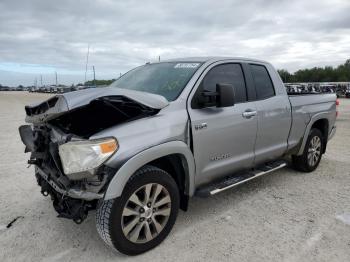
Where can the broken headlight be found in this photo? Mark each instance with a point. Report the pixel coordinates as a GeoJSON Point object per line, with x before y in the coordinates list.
{"type": "Point", "coordinates": [85, 156]}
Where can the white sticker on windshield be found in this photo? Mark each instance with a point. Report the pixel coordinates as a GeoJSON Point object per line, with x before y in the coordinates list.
{"type": "Point", "coordinates": [186, 65]}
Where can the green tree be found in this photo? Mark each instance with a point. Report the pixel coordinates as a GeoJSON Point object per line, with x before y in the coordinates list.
{"type": "Point", "coordinates": [285, 75]}
{"type": "Point", "coordinates": [318, 74]}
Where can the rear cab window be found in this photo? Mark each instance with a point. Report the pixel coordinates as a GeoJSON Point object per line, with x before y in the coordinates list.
{"type": "Point", "coordinates": [263, 83]}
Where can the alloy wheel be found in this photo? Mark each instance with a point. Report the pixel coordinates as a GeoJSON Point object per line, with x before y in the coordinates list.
{"type": "Point", "coordinates": [146, 213]}
{"type": "Point", "coordinates": [314, 151]}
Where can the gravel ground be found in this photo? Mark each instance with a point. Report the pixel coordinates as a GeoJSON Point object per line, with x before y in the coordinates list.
{"type": "Point", "coordinates": [285, 216]}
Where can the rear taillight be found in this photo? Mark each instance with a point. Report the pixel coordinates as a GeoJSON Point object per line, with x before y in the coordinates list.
{"type": "Point", "coordinates": [337, 103]}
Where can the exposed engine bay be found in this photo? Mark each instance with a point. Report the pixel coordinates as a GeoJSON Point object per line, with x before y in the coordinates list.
{"type": "Point", "coordinates": [74, 194]}
{"type": "Point", "coordinates": [100, 114]}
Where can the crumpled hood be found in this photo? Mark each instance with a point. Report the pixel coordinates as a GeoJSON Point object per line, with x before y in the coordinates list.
{"type": "Point", "coordinates": [60, 104]}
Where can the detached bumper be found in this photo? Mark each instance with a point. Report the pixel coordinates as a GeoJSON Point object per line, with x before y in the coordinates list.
{"type": "Point", "coordinates": [332, 133]}
{"type": "Point", "coordinates": [73, 193]}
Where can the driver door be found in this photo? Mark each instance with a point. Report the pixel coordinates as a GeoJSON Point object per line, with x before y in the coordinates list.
{"type": "Point", "coordinates": [223, 138]}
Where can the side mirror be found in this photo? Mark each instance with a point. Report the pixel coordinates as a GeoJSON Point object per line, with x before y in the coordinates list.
{"type": "Point", "coordinates": [225, 95]}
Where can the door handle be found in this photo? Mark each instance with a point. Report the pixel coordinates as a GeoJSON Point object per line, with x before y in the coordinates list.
{"type": "Point", "coordinates": [249, 114]}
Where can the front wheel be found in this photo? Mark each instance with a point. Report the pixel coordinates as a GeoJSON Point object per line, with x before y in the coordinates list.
{"type": "Point", "coordinates": [143, 216]}
{"type": "Point", "coordinates": [311, 157]}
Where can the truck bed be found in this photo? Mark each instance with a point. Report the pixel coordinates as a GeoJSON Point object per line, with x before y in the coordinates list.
{"type": "Point", "coordinates": [311, 98]}
{"type": "Point", "coordinates": [306, 106]}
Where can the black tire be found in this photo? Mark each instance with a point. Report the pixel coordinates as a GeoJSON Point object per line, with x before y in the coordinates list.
{"type": "Point", "coordinates": [109, 213]}
{"type": "Point", "coordinates": [301, 162]}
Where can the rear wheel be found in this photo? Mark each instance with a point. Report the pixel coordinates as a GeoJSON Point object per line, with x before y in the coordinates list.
{"type": "Point", "coordinates": [143, 216]}
{"type": "Point", "coordinates": [311, 157]}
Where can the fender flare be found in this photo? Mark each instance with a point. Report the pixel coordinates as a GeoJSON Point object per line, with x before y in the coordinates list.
{"type": "Point", "coordinates": [118, 182]}
{"type": "Point", "coordinates": [314, 118]}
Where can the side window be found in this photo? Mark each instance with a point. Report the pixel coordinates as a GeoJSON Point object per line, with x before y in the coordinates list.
{"type": "Point", "coordinates": [263, 83]}
{"type": "Point", "coordinates": [228, 74]}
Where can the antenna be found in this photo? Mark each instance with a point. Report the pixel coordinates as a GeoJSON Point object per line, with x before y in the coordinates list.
{"type": "Point", "coordinates": [87, 61]}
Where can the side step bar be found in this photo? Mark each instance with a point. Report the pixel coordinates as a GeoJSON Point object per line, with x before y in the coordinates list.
{"type": "Point", "coordinates": [237, 179]}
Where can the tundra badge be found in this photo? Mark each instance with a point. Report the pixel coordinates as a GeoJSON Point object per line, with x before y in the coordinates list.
{"type": "Point", "coordinates": [201, 126]}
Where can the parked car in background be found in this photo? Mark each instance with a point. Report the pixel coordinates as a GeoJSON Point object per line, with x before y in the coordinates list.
{"type": "Point", "coordinates": [347, 92]}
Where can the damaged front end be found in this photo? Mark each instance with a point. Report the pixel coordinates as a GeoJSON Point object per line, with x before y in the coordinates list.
{"type": "Point", "coordinates": [73, 196]}
{"type": "Point", "coordinates": [68, 165]}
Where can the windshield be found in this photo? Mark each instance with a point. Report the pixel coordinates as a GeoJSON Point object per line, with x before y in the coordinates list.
{"type": "Point", "coordinates": [167, 79]}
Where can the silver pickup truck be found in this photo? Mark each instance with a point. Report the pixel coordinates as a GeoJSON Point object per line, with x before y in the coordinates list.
{"type": "Point", "coordinates": [137, 150]}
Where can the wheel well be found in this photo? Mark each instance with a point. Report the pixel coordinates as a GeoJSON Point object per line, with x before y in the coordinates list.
{"type": "Point", "coordinates": [175, 165]}
{"type": "Point", "coordinates": [322, 125]}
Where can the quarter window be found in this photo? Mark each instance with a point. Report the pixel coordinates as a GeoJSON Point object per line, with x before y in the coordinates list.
{"type": "Point", "coordinates": [263, 84]}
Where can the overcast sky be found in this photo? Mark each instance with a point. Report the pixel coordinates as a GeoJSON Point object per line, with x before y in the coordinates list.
{"type": "Point", "coordinates": [44, 36]}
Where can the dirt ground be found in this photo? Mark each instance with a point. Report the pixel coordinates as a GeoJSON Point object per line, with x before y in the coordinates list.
{"type": "Point", "coordinates": [284, 216]}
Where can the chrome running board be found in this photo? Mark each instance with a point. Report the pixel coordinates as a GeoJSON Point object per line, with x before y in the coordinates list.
{"type": "Point", "coordinates": [237, 179]}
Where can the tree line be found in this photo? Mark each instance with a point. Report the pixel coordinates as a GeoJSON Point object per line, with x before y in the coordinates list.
{"type": "Point", "coordinates": [98, 82]}
{"type": "Point", "coordinates": [340, 73]}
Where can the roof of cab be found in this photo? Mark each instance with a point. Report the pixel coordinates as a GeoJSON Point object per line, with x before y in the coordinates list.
{"type": "Point", "coordinates": [212, 59]}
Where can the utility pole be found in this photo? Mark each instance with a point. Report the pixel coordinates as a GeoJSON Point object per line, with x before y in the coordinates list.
{"type": "Point", "coordinates": [158, 58]}
{"type": "Point", "coordinates": [93, 68]}
{"type": "Point", "coordinates": [41, 80]}
{"type": "Point", "coordinates": [87, 61]}
{"type": "Point", "coordinates": [56, 78]}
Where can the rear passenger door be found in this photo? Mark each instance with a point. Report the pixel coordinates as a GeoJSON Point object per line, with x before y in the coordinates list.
{"type": "Point", "coordinates": [273, 116]}
{"type": "Point", "coordinates": [223, 138]}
